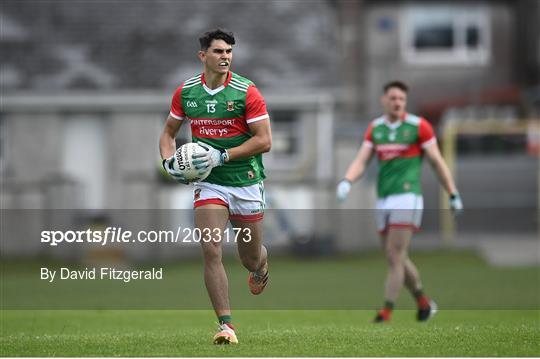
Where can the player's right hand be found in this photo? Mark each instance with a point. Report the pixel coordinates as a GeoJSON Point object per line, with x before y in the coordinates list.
{"type": "Point", "coordinates": [176, 175]}
{"type": "Point", "coordinates": [455, 204]}
{"type": "Point", "coordinates": [343, 189]}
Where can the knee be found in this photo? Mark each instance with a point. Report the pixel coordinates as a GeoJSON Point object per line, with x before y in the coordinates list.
{"type": "Point", "coordinates": [211, 252]}
{"type": "Point", "coordinates": [394, 258]}
{"type": "Point", "coordinates": [251, 263]}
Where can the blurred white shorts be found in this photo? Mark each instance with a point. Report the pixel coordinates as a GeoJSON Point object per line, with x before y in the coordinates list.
{"type": "Point", "coordinates": [244, 203]}
{"type": "Point", "coordinates": [401, 210]}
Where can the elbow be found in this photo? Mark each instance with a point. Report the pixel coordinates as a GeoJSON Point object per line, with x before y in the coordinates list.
{"type": "Point", "coordinates": [266, 145]}
{"type": "Point", "coordinates": [263, 143]}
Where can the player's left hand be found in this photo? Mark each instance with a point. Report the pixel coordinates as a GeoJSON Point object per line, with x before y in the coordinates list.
{"type": "Point", "coordinates": [343, 189]}
{"type": "Point", "coordinates": [455, 204]}
{"type": "Point", "coordinates": [211, 158]}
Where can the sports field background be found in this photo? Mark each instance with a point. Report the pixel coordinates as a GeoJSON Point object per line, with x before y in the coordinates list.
{"type": "Point", "coordinates": [484, 311]}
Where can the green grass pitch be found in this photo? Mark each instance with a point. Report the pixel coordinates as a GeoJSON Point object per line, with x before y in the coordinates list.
{"type": "Point", "coordinates": [269, 333]}
{"type": "Point", "coordinates": [484, 311]}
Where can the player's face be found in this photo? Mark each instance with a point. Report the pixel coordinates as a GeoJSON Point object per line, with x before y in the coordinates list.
{"type": "Point", "coordinates": [394, 102]}
{"type": "Point", "coordinates": [218, 57]}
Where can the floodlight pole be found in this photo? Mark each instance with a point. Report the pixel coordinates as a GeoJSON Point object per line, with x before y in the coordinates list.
{"type": "Point", "coordinates": [449, 153]}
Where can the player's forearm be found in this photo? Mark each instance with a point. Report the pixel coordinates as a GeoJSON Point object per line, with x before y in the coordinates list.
{"type": "Point", "coordinates": [254, 146]}
{"type": "Point", "coordinates": [359, 164]}
{"type": "Point", "coordinates": [355, 171]}
{"type": "Point", "coordinates": [167, 145]}
{"type": "Point", "coordinates": [445, 177]}
{"type": "Point", "coordinates": [167, 140]}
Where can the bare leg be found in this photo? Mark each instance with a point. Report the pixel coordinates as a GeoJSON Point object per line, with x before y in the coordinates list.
{"type": "Point", "coordinates": [396, 246]}
{"type": "Point", "coordinates": [252, 253]}
{"type": "Point", "coordinates": [412, 277]}
{"type": "Point", "coordinates": [214, 216]}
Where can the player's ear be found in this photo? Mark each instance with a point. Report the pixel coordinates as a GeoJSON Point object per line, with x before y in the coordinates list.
{"type": "Point", "coordinates": [383, 99]}
{"type": "Point", "coordinates": [201, 55]}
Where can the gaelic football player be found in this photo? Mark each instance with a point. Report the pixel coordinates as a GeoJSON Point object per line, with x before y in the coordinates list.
{"type": "Point", "coordinates": [400, 140]}
{"type": "Point", "coordinates": [228, 117]}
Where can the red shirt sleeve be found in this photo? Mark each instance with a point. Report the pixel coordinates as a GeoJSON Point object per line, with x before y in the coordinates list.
{"type": "Point", "coordinates": [255, 105]}
{"type": "Point", "coordinates": [368, 135]}
{"type": "Point", "coordinates": [426, 135]}
{"type": "Point", "coordinates": [176, 104]}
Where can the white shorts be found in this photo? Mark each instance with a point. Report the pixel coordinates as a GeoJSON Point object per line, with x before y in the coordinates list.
{"type": "Point", "coordinates": [244, 203]}
{"type": "Point", "coordinates": [400, 210]}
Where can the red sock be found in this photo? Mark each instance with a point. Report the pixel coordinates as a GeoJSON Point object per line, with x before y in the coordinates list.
{"type": "Point", "coordinates": [423, 302]}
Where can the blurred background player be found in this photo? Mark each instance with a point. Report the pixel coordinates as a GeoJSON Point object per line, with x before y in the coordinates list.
{"type": "Point", "coordinates": [228, 117]}
{"type": "Point", "coordinates": [400, 140]}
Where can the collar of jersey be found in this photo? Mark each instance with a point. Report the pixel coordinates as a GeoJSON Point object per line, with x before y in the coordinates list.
{"type": "Point", "coordinates": [395, 125]}
{"type": "Point", "coordinates": [212, 92]}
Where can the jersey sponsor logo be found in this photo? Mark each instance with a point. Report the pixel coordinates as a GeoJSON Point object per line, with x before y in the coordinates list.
{"type": "Point", "coordinates": [209, 127]}
{"type": "Point", "coordinates": [212, 132]}
{"type": "Point", "coordinates": [390, 151]}
{"type": "Point", "coordinates": [213, 122]}
{"type": "Point", "coordinates": [191, 104]}
{"type": "Point", "coordinates": [218, 127]}
{"type": "Point", "coordinates": [392, 147]}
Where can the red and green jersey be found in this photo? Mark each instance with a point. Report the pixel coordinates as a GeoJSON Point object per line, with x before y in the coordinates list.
{"type": "Point", "coordinates": [220, 117]}
{"type": "Point", "coordinates": [399, 147]}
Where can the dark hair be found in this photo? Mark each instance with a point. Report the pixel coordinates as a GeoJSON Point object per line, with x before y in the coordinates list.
{"type": "Point", "coordinates": [216, 34]}
{"type": "Point", "coordinates": [399, 84]}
